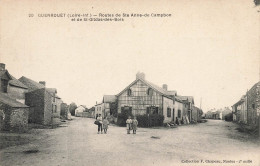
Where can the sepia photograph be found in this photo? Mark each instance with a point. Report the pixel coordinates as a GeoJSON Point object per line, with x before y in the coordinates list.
{"type": "Point", "coordinates": [130, 83]}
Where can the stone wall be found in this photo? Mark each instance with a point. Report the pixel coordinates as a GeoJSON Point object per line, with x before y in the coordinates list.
{"type": "Point", "coordinates": [253, 106]}
{"type": "Point", "coordinates": [35, 100]}
{"type": "Point", "coordinates": [15, 119]}
{"type": "Point", "coordinates": [19, 119]}
{"type": "Point", "coordinates": [48, 112]}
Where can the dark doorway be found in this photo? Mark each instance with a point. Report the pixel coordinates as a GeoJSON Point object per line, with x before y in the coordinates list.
{"type": "Point", "coordinates": [173, 114]}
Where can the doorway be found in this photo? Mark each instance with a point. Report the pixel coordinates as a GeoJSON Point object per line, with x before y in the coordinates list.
{"type": "Point", "coordinates": [173, 115]}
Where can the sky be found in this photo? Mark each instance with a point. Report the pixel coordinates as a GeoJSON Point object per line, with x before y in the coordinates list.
{"type": "Point", "coordinates": [206, 49]}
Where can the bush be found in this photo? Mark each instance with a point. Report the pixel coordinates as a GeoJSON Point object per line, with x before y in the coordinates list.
{"type": "Point", "coordinates": [122, 117]}
{"type": "Point", "coordinates": [229, 117]}
{"type": "Point", "coordinates": [151, 121]}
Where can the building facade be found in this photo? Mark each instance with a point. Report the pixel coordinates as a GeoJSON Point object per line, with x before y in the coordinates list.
{"type": "Point", "coordinates": [13, 111]}
{"type": "Point", "coordinates": [143, 97]}
{"type": "Point", "coordinates": [247, 109]}
{"type": "Point", "coordinates": [44, 103]}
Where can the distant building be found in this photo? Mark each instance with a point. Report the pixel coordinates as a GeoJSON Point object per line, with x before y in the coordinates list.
{"type": "Point", "coordinates": [79, 110]}
{"type": "Point", "coordinates": [99, 109]}
{"type": "Point", "coordinates": [107, 101]}
{"type": "Point", "coordinates": [240, 110]}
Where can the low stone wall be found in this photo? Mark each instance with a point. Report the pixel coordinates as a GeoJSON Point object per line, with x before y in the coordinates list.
{"type": "Point", "coordinates": [13, 119]}
{"type": "Point", "coordinates": [19, 119]}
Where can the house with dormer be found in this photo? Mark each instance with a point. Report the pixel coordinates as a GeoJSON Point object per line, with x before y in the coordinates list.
{"type": "Point", "coordinates": [13, 111]}
{"type": "Point", "coordinates": [143, 97]}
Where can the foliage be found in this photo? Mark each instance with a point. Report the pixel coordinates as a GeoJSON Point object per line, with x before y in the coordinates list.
{"type": "Point", "coordinates": [150, 121]}
{"type": "Point", "coordinates": [63, 110]}
{"type": "Point", "coordinates": [72, 108]}
{"type": "Point", "coordinates": [122, 117]}
{"type": "Point", "coordinates": [113, 108]}
{"type": "Point", "coordinates": [229, 117]}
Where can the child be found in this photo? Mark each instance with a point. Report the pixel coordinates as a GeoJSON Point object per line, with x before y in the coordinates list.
{"type": "Point", "coordinates": [99, 119]}
{"type": "Point", "coordinates": [134, 125]}
{"type": "Point", "coordinates": [105, 125]}
{"type": "Point", "coordinates": [128, 124]}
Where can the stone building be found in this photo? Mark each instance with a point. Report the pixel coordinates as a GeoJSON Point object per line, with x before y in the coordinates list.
{"type": "Point", "coordinates": [44, 102]}
{"type": "Point", "coordinates": [239, 110]}
{"type": "Point", "coordinates": [143, 97]}
{"type": "Point", "coordinates": [247, 109]}
{"type": "Point", "coordinates": [104, 107]}
{"type": "Point", "coordinates": [13, 114]}
{"type": "Point", "coordinates": [253, 104]}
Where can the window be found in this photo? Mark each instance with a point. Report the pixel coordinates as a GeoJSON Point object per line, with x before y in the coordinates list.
{"type": "Point", "coordinates": [129, 92]}
{"type": "Point", "coordinates": [53, 99]}
{"type": "Point", "coordinates": [150, 91]}
{"type": "Point", "coordinates": [53, 108]}
{"type": "Point", "coordinates": [253, 106]}
{"type": "Point", "coordinates": [168, 112]}
{"type": "Point", "coordinates": [179, 113]}
{"type": "Point", "coordinates": [152, 110]}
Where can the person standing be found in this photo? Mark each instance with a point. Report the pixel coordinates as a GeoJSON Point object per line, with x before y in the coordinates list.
{"type": "Point", "coordinates": [99, 119]}
{"type": "Point", "coordinates": [134, 125]}
{"type": "Point", "coordinates": [105, 125]}
{"type": "Point", "coordinates": [128, 124]}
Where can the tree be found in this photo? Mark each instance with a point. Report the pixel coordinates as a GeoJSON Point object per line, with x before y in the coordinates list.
{"type": "Point", "coordinates": [72, 108]}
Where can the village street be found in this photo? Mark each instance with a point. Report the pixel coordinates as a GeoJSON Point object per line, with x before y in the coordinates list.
{"type": "Point", "coordinates": [77, 143]}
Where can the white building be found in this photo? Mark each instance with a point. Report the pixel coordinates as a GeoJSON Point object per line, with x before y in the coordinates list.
{"type": "Point", "coordinates": [79, 110]}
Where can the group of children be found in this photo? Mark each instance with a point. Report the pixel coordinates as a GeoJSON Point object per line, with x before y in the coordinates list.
{"type": "Point", "coordinates": [102, 124]}
{"type": "Point", "coordinates": [131, 124]}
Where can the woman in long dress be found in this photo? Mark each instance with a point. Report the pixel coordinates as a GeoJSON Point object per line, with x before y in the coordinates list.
{"type": "Point", "coordinates": [134, 125]}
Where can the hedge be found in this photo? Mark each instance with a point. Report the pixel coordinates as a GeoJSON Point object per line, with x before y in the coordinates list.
{"type": "Point", "coordinates": [150, 121]}
{"type": "Point", "coordinates": [122, 117]}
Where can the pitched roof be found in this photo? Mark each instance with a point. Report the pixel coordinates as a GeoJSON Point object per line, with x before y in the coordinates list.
{"type": "Point", "coordinates": [81, 106]}
{"type": "Point", "coordinates": [6, 99]}
{"type": "Point", "coordinates": [153, 86]}
{"type": "Point", "coordinates": [32, 85]}
{"type": "Point", "coordinates": [109, 98]}
{"type": "Point", "coordinates": [52, 90]}
{"type": "Point", "coordinates": [2, 72]}
{"type": "Point", "coordinates": [17, 83]}
{"type": "Point", "coordinates": [187, 98]}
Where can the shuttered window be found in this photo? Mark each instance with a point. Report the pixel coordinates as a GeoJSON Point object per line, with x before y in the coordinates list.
{"type": "Point", "coordinates": [168, 112]}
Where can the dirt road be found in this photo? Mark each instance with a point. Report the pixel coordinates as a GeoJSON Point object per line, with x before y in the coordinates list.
{"type": "Point", "coordinates": [78, 143]}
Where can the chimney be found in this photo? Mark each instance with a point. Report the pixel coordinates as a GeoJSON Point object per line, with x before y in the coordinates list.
{"type": "Point", "coordinates": [165, 86]}
{"type": "Point", "coordinates": [42, 82]}
{"type": "Point", "coordinates": [140, 75]}
{"type": "Point", "coordinates": [2, 66]}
